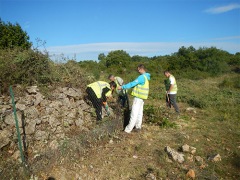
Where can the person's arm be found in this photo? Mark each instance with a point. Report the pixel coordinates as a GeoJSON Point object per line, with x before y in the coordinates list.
{"type": "Point", "coordinates": [170, 88]}
{"type": "Point", "coordinates": [139, 80]}
{"type": "Point", "coordinates": [105, 93]}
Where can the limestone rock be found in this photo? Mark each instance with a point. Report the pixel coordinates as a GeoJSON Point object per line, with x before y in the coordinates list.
{"type": "Point", "coordinates": [199, 159]}
{"type": "Point", "coordinates": [41, 135]}
{"type": "Point", "coordinates": [187, 148]}
{"type": "Point", "coordinates": [5, 137]}
{"type": "Point", "coordinates": [215, 158]}
{"type": "Point", "coordinates": [73, 92]}
{"type": "Point", "coordinates": [30, 128]}
{"type": "Point", "coordinates": [79, 122]}
{"type": "Point", "coordinates": [10, 119]}
{"type": "Point", "coordinates": [151, 176]}
{"type": "Point", "coordinates": [190, 109]}
{"type": "Point", "coordinates": [174, 154]}
{"type": "Point", "coordinates": [32, 89]}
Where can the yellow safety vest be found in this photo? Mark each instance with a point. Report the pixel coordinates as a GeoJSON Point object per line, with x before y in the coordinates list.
{"type": "Point", "coordinates": [98, 87]}
{"type": "Point", "coordinates": [174, 89]}
{"type": "Point", "coordinates": [141, 91]}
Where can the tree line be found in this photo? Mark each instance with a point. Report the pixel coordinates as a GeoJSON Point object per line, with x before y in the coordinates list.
{"type": "Point", "coordinates": [21, 63]}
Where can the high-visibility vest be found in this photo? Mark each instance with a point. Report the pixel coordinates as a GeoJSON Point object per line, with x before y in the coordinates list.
{"type": "Point", "coordinates": [117, 83]}
{"type": "Point", "coordinates": [174, 88]}
{"type": "Point", "coordinates": [98, 87]}
{"type": "Point", "coordinates": [141, 91]}
{"type": "Point", "coordinates": [119, 92]}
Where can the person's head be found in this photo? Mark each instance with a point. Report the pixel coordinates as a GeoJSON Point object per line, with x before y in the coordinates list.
{"type": "Point", "coordinates": [111, 77]}
{"type": "Point", "coordinates": [113, 85]}
{"type": "Point", "coordinates": [167, 74]}
{"type": "Point", "coordinates": [141, 68]}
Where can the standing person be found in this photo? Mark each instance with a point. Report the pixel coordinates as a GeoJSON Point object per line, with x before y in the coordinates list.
{"type": "Point", "coordinates": [121, 93]}
{"type": "Point", "coordinates": [140, 93]}
{"type": "Point", "coordinates": [98, 92]}
{"type": "Point", "coordinates": [172, 91]}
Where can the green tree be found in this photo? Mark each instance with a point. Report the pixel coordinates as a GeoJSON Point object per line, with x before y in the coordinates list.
{"type": "Point", "coordinates": [102, 59]}
{"type": "Point", "coordinates": [138, 58]}
{"type": "Point", "coordinates": [212, 60]}
{"type": "Point", "coordinates": [119, 58]}
{"type": "Point", "coordinates": [13, 36]}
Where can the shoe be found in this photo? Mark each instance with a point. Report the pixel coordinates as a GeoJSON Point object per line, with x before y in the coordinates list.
{"type": "Point", "coordinates": [125, 133]}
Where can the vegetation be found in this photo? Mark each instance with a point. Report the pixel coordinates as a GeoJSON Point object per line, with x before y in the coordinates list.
{"type": "Point", "coordinates": [13, 36]}
{"type": "Point", "coordinates": [208, 81]}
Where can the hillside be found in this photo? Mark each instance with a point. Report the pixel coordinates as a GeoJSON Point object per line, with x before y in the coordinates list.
{"type": "Point", "coordinates": [209, 124]}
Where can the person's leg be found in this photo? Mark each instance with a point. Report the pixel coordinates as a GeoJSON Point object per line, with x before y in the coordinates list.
{"type": "Point", "coordinates": [172, 98]}
{"type": "Point", "coordinates": [140, 115]}
{"type": "Point", "coordinates": [99, 109]}
{"type": "Point", "coordinates": [96, 102]}
{"type": "Point", "coordinates": [133, 116]}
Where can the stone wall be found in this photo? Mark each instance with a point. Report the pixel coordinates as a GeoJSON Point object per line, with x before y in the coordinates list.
{"type": "Point", "coordinates": [43, 121]}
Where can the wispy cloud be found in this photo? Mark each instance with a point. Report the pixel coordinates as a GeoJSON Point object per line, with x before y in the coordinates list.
{"type": "Point", "coordinates": [223, 9]}
{"type": "Point", "coordinates": [91, 51]}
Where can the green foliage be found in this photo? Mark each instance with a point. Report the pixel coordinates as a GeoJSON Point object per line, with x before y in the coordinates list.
{"type": "Point", "coordinates": [233, 82]}
{"type": "Point", "coordinates": [13, 36]}
{"type": "Point", "coordinates": [196, 102]}
{"type": "Point", "coordinates": [23, 67]}
{"type": "Point", "coordinates": [119, 58]}
{"type": "Point", "coordinates": [155, 115]}
{"type": "Point", "coordinates": [195, 64]}
{"type": "Point", "coordinates": [102, 59]}
{"type": "Point", "coordinates": [138, 58]}
{"type": "Point", "coordinates": [92, 67]}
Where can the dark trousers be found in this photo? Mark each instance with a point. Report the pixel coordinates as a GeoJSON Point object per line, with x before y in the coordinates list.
{"type": "Point", "coordinates": [172, 98]}
{"type": "Point", "coordinates": [96, 102]}
{"type": "Point", "coordinates": [122, 100]}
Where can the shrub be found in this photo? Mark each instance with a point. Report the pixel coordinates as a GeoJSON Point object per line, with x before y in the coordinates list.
{"type": "Point", "coordinates": [230, 83]}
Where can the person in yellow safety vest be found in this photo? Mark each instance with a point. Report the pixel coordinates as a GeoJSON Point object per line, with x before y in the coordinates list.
{"type": "Point", "coordinates": [172, 91]}
{"type": "Point", "coordinates": [121, 93]}
{"type": "Point", "coordinates": [140, 93]}
{"type": "Point", "coordinates": [98, 92]}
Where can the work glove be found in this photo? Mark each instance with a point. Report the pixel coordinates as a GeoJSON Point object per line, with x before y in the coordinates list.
{"type": "Point", "coordinates": [106, 108]}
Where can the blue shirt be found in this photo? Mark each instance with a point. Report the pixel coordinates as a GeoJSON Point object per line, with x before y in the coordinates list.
{"type": "Point", "coordinates": [140, 80]}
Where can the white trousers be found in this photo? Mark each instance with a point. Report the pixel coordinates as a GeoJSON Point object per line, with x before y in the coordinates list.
{"type": "Point", "coordinates": [136, 115]}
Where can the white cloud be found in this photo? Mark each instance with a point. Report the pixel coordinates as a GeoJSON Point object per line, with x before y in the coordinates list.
{"type": "Point", "coordinates": [222, 9]}
{"type": "Point", "coordinates": [91, 51]}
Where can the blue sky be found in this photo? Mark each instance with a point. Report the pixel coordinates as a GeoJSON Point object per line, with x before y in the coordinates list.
{"type": "Point", "coordinates": [86, 28]}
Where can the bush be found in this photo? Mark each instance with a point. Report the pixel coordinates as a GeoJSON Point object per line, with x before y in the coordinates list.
{"type": "Point", "coordinates": [155, 115]}
{"type": "Point", "coordinates": [230, 83]}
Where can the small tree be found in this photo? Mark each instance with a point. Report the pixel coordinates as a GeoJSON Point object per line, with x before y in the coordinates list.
{"type": "Point", "coordinates": [13, 36]}
{"type": "Point", "coordinates": [119, 57]}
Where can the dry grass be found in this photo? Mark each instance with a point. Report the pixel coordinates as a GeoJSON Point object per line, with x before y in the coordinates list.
{"type": "Point", "coordinates": [107, 153]}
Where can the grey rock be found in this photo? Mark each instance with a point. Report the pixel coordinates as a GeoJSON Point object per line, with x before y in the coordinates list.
{"type": "Point", "coordinates": [5, 137]}
{"type": "Point", "coordinates": [32, 89]}
{"type": "Point", "coordinates": [41, 135]}
{"type": "Point", "coordinates": [30, 127]}
{"type": "Point", "coordinates": [174, 154]}
{"type": "Point", "coordinates": [10, 119]}
{"type": "Point", "coordinates": [31, 112]}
